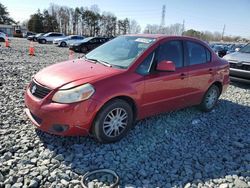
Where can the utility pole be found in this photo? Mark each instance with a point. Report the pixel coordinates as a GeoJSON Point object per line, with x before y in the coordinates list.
{"type": "Point", "coordinates": [163, 18]}
{"type": "Point", "coordinates": [223, 32]}
{"type": "Point", "coordinates": [163, 15]}
{"type": "Point", "coordinates": [183, 27]}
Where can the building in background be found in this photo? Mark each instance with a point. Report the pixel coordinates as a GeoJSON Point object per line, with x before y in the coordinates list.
{"type": "Point", "coordinates": [13, 30]}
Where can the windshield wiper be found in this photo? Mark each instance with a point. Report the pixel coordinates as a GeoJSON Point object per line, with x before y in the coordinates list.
{"type": "Point", "coordinates": [100, 61]}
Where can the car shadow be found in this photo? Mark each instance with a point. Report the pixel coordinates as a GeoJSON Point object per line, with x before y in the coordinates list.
{"type": "Point", "coordinates": [166, 150]}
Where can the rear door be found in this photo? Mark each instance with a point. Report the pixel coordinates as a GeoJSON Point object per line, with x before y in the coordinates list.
{"type": "Point", "coordinates": [166, 91]}
{"type": "Point", "coordinates": [201, 70]}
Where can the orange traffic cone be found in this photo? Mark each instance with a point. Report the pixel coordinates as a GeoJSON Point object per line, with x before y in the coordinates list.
{"type": "Point", "coordinates": [71, 54]}
{"type": "Point", "coordinates": [7, 42]}
{"type": "Point", "coordinates": [32, 49]}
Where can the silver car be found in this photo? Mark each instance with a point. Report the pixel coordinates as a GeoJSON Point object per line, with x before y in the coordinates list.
{"type": "Point", "coordinates": [240, 64]}
{"type": "Point", "coordinates": [66, 41]}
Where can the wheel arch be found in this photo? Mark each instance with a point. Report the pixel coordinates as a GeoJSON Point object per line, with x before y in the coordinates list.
{"type": "Point", "coordinates": [128, 100]}
{"type": "Point", "coordinates": [219, 85]}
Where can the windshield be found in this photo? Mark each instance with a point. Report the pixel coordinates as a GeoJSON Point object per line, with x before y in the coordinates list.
{"type": "Point", "coordinates": [245, 49]}
{"type": "Point", "coordinates": [121, 51]}
{"type": "Point", "coordinates": [87, 39]}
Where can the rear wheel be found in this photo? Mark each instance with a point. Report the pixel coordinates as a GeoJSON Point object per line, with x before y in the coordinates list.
{"type": "Point", "coordinates": [113, 121]}
{"type": "Point", "coordinates": [210, 99]}
{"type": "Point", "coordinates": [63, 44]}
{"type": "Point", "coordinates": [84, 49]}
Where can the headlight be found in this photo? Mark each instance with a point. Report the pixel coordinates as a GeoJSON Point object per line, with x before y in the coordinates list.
{"type": "Point", "coordinates": [75, 94]}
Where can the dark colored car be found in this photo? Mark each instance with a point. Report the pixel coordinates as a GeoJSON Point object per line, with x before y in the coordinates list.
{"type": "Point", "coordinates": [88, 44]}
{"type": "Point", "coordinates": [220, 50]}
{"type": "Point", "coordinates": [28, 33]}
{"type": "Point", "coordinates": [34, 37]}
{"type": "Point", "coordinates": [126, 79]}
{"type": "Point", "coordinates": [240, 64]}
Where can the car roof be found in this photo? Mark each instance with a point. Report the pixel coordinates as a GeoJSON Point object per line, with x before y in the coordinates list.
{"type": "Point", "coordinates": [164, 36]}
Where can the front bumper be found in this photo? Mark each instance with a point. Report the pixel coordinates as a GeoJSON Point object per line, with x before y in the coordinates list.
{"type": "Point", "coordinates": [240, 75]}
{"type": "Point", "coordinates": [45, 115]}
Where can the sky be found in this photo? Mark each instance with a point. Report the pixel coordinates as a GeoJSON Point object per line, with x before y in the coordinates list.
{"type": "Point", "coordinates": [200, 15]}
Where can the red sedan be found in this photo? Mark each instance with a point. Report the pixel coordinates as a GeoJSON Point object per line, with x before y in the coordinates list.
{"type": "Point", "coordinates": [126, 79]}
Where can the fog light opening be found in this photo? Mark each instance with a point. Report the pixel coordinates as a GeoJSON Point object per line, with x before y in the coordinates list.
{"type": "Point", "coordinates": [59, 128]}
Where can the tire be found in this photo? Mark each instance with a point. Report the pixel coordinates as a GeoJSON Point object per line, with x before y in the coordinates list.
{"type": "Point", "coordinates": [84, 49]}
{"type": "Point", "coordinates": [43, 41]}
{"type": "Point", "coordinates": [63, 44]}
{"type": "Point", "coordinates": [2, 39]}
{"type": "Point", "coordinates": [109, 126]}
{"type": "Point", "coordinates": [210, 99]}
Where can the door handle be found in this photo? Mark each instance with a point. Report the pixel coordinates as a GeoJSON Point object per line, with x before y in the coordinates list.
{"type": "Point", "coordinates": [183, 75]}
{"type": "Point", "coordinates": [211, 71]}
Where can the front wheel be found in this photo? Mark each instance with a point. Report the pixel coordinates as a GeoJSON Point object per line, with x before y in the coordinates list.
{"type": "Point", "coordinates": [43, 41]}
{"type": "Point", "coordinates": [210, 98]}
{"type": "Point", "coordinates": [84, 49]}
{"type": "Point", "coordinates": [113, 121]}
{"type": "Point", "coordinates": [63, 44]}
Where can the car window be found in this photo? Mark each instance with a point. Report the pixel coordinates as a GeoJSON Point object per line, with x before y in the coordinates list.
{"type": "Point", "coordinates": [171, 51]}
{"type": "Point", "coordinates": [74, 37]}
{"type": "Point", "coordinates": [145, 66]}
{"type": "Point", "coordinates": [94, 41]}
{"type": "Point", "coordinates": [208, 55]}
{"type": "Point", "coordinates": [196, 53]}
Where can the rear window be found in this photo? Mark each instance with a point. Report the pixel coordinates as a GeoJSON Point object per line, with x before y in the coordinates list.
{"type": "Point", "coordinates": [197, 54]}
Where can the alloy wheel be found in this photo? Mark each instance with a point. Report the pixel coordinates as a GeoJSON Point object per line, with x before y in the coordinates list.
{"type": "Point", "coordinates": [211, 98]}
{"type": "Point", "coordinates": [115, 122]}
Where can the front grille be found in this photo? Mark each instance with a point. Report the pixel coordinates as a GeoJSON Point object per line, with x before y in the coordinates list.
{"type": "Point", "coordinates": [38, 90]}
{"type": "Point", "coordinates": [37, 119]}
{"type": "Point", "coordinates": [241, 66]}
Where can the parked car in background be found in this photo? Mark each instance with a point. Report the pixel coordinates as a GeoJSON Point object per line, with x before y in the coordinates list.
{"type": "Point", "coordinates": [234, 48]}
{"type": "Point", "coordinates": [28, 33]}
{"type": "Point", "coordinates": [49, 37]}
{"type": "Point", "coordinates": [3, 37]}
{"type": "Point", "coordinates": [220, 50]}
{"type": "Point", "coordinates": [126, 79]}
{"type": "Point", "coordinates": [88, 44]}
{"type": "Point", "coordinates": [240, 64]}
{"type": "Point", "coordinates": [68, 40]}
{"type": "Point", "coordinates": [35, 37]}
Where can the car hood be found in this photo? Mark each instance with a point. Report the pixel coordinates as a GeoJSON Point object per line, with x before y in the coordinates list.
{"type": "Point", "coordinates": [238, 56]}
{"type": "Point", "coordinates": [78, 43]}
{"type": "Point", "coordinates": [64, 73]}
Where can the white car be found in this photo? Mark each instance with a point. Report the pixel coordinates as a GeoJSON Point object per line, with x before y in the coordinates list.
{"type": "Point", "coordinates": [2, 37]}
{"type": "Point", "coordinates": [66, 41]}
{"type": "Point", "coordinates": [49, 37]}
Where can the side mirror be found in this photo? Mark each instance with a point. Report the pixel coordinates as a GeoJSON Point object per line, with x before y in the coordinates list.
{"type": "Point", "coordinates": [166, 66]}
{"type": "Point", "coordinates": [237, 49]}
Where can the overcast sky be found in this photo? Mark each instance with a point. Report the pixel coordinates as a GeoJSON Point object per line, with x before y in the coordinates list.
{"type": "Point", "coordinates": [201, 15]}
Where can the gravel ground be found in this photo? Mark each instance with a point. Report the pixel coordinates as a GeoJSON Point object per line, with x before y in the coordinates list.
{"type": "Point", "coordinates": [185, 148]}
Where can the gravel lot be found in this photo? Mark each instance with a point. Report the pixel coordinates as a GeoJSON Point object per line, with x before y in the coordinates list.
{"type": "Point", "coordinates": [185, 148]}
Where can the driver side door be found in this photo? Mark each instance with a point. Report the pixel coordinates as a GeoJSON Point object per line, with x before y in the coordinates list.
{"type": "Point", "coordinates": [166, 91]}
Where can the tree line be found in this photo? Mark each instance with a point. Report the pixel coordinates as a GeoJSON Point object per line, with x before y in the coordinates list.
{"type": "Point", "coordinates": [179, 30]}
{"type": "Point", "coordinates": [4, 15]}
{"type": "Point", "coordinates": [87, 21]}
